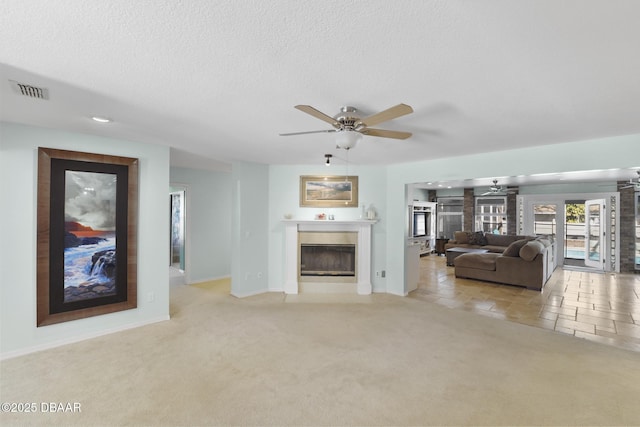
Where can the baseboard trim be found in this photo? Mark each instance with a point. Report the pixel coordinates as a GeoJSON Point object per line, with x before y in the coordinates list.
{"type": "Point", "coordinates": [78, 338]}
{"type": "Point", "coordinates": [249, 294]}
{"type": "Point", "coordinates": [211, 279]}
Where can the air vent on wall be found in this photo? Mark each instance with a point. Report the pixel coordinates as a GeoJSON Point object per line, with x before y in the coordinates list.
{"type": "Point", "coordinates": [30, 91]}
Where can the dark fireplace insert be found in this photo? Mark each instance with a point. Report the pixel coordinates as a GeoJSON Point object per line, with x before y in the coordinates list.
{"type": "Point", "coordinates": [327, 259]}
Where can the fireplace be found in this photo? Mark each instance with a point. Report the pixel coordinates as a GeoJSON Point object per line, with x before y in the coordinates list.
{"type": "Point", "coordinates": [328, 256]}
{"type": "Point", "coordinates": [327, 260]}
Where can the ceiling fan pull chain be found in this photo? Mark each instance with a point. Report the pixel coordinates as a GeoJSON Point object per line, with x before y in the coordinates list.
{"type": "Point", "coordinates": [346, 178]}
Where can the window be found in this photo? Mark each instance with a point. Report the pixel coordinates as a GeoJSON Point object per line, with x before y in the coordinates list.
{"type": "Point", "coordinates": [491, 215]}
{"type": "Point", "coordinates": [544, 219]}
{"type": "Point", "coordinates": [450, 216]}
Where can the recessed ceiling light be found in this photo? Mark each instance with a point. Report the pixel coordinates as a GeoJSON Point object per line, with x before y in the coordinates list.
{"type": "Point", "coordinates": [100, 119]}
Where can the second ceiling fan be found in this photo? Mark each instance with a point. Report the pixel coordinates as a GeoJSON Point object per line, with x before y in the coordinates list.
{"type": "Point", "coordinates": [350, 126]}
{"type": "Point", "coordinates": [497, 190]}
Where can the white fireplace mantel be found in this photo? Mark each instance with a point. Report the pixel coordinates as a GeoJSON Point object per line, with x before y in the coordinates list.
{"type": "Point", "coordinates": [361, 226]}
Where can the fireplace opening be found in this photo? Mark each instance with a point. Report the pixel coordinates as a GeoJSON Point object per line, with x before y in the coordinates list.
{"type": "Point", "coordinates": [328, 260]}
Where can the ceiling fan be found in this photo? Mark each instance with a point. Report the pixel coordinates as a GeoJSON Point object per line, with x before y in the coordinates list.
{"type": "Point", "coordinates": [633, 183]}
{"type": "Point", "coordinates": [495, 189]}
{"type": "Point", "coordinates": [350, 127]}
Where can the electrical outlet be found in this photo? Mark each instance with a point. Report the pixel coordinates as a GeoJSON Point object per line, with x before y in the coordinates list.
{"type": "Point", "coordinates": [151, 297]}
{"type": "Point", "coordinates": [247, 275]}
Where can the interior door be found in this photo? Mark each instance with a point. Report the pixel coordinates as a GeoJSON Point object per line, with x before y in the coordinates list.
{"type": "Point", "coordinates": [594, 233]}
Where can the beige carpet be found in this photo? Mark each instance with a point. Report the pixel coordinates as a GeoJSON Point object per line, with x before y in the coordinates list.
{"type": "Point", "coordinates": [261, 361]}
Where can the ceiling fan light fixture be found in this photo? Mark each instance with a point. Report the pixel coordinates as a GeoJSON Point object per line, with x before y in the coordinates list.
{"type": "Point", "coordinates": [347, 139]}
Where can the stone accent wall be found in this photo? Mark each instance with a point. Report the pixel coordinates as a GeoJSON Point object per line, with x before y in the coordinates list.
{"type": "Point", "coordinates": [468, 209]}
{"type": "Point", "coordinates": [512, 212]}
{"type": "Point", "coordinates": [627, 220]}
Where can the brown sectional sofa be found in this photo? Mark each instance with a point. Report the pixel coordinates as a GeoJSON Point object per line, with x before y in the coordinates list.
{"type": "Point", "coordinates": [492, 242]}
{"type": "Point", "coordinates": [527, 261]}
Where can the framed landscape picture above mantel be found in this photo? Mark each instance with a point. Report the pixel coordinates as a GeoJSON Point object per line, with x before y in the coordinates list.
{"type": "Point", "coordinates": [86, 235]}
{"type": "Point", "coordinates": [329, 191]}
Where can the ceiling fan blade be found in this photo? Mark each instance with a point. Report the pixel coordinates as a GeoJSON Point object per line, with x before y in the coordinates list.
{"type": "Point", "coordinates": [388, 114]}
{"type": "Point", "coordinates": [309, 131]}
{"type": "Point", "coordinates": [383, 133]}
{"type": "Point", "coordinates": [318, 115]}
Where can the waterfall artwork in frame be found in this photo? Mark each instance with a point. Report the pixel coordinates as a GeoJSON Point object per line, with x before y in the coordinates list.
{"type": "Point", "coordinates": [86, 235]}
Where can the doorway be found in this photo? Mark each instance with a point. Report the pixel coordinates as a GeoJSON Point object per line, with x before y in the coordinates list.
{"type": "Point", "coordinates": [584, 234]}
{"type": "Point", "coordinates": [585, 230]}
{"type": "Point", "coordinates": [177, 235]}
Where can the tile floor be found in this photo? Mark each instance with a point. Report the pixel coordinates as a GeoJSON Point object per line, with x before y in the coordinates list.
{"type": "Point", "coordinates": [600, 307]}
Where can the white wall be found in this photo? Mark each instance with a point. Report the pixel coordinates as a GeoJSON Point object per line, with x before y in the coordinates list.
{"type": "Point", "coordinates": [604, 153]}
{"type": "Point", "coordinates": [208, 229]}
{"type": "Point", "coordinates": [284, 198]}
{"type": "Point", "coordinates": [249, 225]}
{"type": "Point", "coordinates": [18, 184]}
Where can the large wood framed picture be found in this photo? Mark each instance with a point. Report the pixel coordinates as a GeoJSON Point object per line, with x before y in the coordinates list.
{"type": "Point", "coordinates": [86, 235]}
{"type": "Point", "coordinates": [329, 191]}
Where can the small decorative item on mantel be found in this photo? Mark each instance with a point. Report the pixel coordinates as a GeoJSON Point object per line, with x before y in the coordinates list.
{"type": "Point", "coordinates": [371, 212]}
{"type": "Point", "coordinates": [321, 216]}
{"type": "Point", "coordinates": [288, 216]}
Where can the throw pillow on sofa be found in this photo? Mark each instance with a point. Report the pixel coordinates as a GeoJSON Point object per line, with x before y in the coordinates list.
{"type": "Point", "coordinates": [477, 238]}
{"type": "Point", "coordinates": [530, 250]}
{"type": "Point", "coordinates": [513, 249]}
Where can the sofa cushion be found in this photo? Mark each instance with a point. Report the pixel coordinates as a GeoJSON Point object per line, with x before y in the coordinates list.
{"type": "Point", "coordinates": [491, 248]}
{"type": "Point", "coordinates": [544, 241]}
{"type": "Point", "coordinates": [514, 248]}
{"type": "Point", "coordinates": [529, 251]}
{"type": "Point", "coordinates": [500, 239]}
{"type": "Point", "coordinates": [461, 237]}
{"type": "Point", "coordinates": [479, 261]}
{"type": "Point", "coordinates": [477, 238]}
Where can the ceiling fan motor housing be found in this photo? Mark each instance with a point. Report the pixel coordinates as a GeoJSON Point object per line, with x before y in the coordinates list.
{"type": "Point", "coordinates": [348, 118]}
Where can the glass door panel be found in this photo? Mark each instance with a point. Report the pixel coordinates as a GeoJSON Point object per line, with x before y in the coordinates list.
{"type": "Point", "coordinates": [594, 245]}
{"type": "Point", "coordinates": [574, 230]}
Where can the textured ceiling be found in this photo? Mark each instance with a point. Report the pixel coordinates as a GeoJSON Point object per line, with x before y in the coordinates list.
{"type": "Point", "coordinates": [218, 80]}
